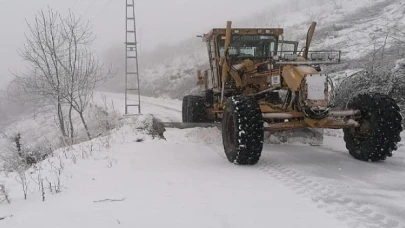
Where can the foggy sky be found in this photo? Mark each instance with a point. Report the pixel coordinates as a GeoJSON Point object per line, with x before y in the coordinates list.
{"type": "Point", "coordinates": [158, 21]}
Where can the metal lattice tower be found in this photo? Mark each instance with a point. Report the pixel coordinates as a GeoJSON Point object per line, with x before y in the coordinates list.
{"type": "Point", "coordinates": [132, 92]}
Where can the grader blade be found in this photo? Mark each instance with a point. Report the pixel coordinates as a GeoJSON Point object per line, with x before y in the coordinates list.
{"type": "Point", "coordinates": [181, 125]}
{"type": "Point", "coordinates": [313, 137]}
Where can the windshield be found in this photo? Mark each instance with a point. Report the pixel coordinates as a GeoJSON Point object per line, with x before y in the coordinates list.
{"type": "Point", "coordinates": [249, 46]}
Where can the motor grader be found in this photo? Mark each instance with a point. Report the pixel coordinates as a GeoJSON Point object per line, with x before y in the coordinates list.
{"type": "Point", "coordinates": [258, 82]}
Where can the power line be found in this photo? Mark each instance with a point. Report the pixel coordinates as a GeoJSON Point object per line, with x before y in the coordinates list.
{"type": "Point", "coordinates": [88, 8]}
{"type": "Point", "coordinates": [74, 5]}
{"type": "Point", "coordinates": [106, 4]}
{"type": "Point", "coordinates": [103, 8]}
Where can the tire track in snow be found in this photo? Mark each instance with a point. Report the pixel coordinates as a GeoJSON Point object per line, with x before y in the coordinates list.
{"type": "Point", "coordinates": [356, 214]}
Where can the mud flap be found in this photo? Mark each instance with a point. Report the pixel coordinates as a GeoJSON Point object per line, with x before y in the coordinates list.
{"type": "Point", "coordinates": [313, 137]}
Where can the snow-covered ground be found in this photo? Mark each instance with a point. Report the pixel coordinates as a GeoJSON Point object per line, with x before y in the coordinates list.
{"type": "Point", "coordinates": [130, 179]}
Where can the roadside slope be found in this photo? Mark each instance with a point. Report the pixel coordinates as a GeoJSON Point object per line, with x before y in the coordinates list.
{"type": "Point", "coordinates": [130, 184]}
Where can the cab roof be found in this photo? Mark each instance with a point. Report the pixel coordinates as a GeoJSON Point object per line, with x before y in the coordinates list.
{"type": "Point", "coordinates": [245, 31]}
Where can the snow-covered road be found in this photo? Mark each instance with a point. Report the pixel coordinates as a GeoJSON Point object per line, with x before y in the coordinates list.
{"type": "Point", "coordinates": [370, 194]}
{"type": "Point", "coordinates": [186, 181]}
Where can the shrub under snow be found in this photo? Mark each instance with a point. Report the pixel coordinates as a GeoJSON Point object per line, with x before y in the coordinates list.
{"type": "Point", "coordinates": [48, 176]}
{"type": "Point", "coordinates": [38, 135]}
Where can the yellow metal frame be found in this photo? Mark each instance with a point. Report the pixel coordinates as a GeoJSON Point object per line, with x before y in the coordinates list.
{"type": "Point", "coordinates": [292, 75]}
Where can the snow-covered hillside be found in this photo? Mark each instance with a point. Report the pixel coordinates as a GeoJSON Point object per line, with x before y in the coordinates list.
{"type": "Point", "coordinates": [356, 27]}
{"type": "Point", "coordinates": [175, 77]}
{"type": "Point", "coordinates": [130, 184]}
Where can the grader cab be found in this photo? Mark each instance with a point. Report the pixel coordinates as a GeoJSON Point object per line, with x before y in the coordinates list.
{"type": "Point", "coordinates": [260, 82]}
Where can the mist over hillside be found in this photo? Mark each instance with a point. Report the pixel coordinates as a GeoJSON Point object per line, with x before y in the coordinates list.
{"type": "Point", "coordinates": [357, 28]}
{"type": "Point", "coordinates": [165, 64]}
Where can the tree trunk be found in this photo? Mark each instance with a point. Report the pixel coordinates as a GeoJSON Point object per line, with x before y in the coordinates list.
{"type": "Point", "coordinates": [72, 130]}
{"type": "Point", "coordinates": [61, 119]}
{"type": "Point", "coordinates": [85, 125]}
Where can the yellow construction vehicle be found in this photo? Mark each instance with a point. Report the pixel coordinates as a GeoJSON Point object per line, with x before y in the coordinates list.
{"type": "Point", "coordinates": [260, 82]}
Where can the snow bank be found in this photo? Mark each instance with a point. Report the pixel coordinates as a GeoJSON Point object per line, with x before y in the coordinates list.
{"type": "Point", "coordinates": [131, 129]}
{"type": "Point", "coordinates": [39, 131]}
{"type": "Point", "coordinates": [121, 181]}
{"type": "Point", "coordinates": [129, 178]}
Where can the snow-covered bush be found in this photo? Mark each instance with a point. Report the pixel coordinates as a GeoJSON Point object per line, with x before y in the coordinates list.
{"type": "Point", "coordinates": [102, 119]}
{"type": "Point", "coordinates": [147, 124]}
{"type": "Point", "coordinates": [4, 196]}
{"type": "Point", "coordinates": [18, 158]}
{"type": "Point", "coordinates": [397, 86]}
{"type": "Point", "coordinates": [382, 80]}
{"type": "Point", "coordinates": [49, 176]}
{"type": "Point", "coordinates": [33, 139]}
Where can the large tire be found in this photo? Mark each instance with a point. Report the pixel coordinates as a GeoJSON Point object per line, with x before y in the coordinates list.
{"type": "Point", "coordinates": [380, 127]}
{"type": "Point", "coordinates": [193, 109]}
{"type": "Point", "coordinates": [242, 130]}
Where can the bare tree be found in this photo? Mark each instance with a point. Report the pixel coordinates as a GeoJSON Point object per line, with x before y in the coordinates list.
{"type": "Point", "coordinates": [84, 71]}
{"type": "Point", "coordinates": [43, 81]}
{"type": "Point", "coordinates": [75, 34]}
{"type": "Point", "coordinates": [63, 70]}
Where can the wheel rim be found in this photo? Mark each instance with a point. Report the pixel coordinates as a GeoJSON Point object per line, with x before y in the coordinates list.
{"type": "Point", "coordinates": [365, 127]}
{"type": "Point", "coordinates": [362, 132]}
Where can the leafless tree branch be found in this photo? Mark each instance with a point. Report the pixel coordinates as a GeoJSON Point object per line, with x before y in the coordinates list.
{"type": "Point", "coordinates": [63, 70]}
